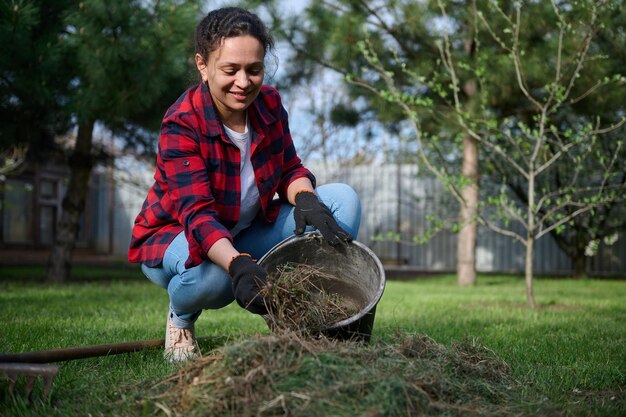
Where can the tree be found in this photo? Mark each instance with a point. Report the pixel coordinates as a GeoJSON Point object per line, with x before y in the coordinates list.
{"type": "Point", "coordinates": [582, 236]}
{"type": "Point", "coordinates": [389, 50]}
{"type": "Point", "coordinates": [329, 38]}
{"type": "Point", "coordinates": [33, 79]}
{"type": "Point", "coordinates": [466, 242]}
{"type": "Point", "coordinates": [130, 65]}
{"type": "Point", "coordinates": [111, 64]}
{"type": "Point", "coordinates": [605, 222]}
{"type": "Point", "coordinates": [532, 146]}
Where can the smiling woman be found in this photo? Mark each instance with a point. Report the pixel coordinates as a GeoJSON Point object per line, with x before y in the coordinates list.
{"type": "Point", "coordinates": [234, 74]}
{"type": "Point", "coordinates": [224, 152]}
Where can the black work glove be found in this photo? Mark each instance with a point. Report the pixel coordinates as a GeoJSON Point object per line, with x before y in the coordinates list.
{"type": "Point", "coordinates": [312, 212]}
{"type": "Point", "coordinates": [248, 278]}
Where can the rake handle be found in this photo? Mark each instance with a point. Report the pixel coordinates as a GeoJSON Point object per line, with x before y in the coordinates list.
{"type": "Point", "coordinates": [81, 352]}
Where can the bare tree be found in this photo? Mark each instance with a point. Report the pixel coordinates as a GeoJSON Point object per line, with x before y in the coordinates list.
{"type": "Point", "coordinates": [530, 147]}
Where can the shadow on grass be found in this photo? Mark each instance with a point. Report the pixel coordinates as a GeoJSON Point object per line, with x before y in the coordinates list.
{"type": "Point", "coordinates": [37, 274]}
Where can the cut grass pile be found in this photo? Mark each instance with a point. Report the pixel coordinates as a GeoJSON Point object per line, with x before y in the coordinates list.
{"type": "Point", "coordinates": [297, 300]}
{"type": "Point", "coordinates": [285, 374]}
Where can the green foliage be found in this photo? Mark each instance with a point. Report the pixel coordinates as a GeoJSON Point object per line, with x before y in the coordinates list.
{"type": "Point", "coordinates": [138, 47]}
{"type": "Point", "coordinates": [344, 115]}
{"type": "Point", "coordinates": [118, 62]}
{"type": "Point", "coordinates": [539, 85]}
{"type": "Point", "coordinates": [143, 49]}
{"type": "Point", "coordinates": [33, 73]}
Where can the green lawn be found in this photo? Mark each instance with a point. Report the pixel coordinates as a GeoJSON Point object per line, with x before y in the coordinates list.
{"type": "Point", "coordinates": [570, 351]}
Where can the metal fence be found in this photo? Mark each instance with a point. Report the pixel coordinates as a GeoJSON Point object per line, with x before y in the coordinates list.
{"type": "Point", "coordinates": [396, 200]}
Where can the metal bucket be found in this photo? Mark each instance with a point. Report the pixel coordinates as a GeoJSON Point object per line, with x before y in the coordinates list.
{"type": "Point", "coordinates": [358, 276]}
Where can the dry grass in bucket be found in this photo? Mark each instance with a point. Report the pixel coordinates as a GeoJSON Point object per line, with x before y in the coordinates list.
{"type": "Point", "coordinates": [287, 375]}
{"type": "Point", "coordinates": [297, 301]}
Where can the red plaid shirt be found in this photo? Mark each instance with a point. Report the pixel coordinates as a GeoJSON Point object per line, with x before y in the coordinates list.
{"type": "Point", "coordinates": [197, 185]}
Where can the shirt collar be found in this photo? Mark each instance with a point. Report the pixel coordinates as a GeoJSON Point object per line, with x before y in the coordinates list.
{"type": "Point", "coordinates": [205, 103]}
{"type": "Point", "coordinates": [262, 111]}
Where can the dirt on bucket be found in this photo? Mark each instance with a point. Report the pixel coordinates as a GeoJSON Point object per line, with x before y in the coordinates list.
{"type": "Point", "coordinates": [298, 302]}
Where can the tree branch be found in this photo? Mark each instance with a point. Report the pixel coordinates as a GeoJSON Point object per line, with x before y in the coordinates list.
{"type": "Point", "coordinates": [610, 128]}
{"type": "Point", "coordinates": [441, 174]}
{"type": "Point", "coordinates": [518, 64]}
{"type": "Point", "coordinates": [500, 230]}
{"type": "Point", "coordinates": [598, 191]}
{"type": "Point", "coordinates": [581, 59]}
{"type": "Point", "coordinates": [564, 220]}
{"type": "Point", "coordinates": [555, 157]}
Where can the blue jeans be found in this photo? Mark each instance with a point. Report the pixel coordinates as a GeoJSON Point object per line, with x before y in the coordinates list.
{"type": "Point", "coordinates": [208, 286]}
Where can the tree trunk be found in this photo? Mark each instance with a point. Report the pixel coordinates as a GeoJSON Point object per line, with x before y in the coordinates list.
{"type": "Point", "coordinates": [528, 272]}
{"type": "Point", "coordinates": [579, 264]}
{"type": "Point", "coordinates": [578, 249]}
{"type": "Point", "coordinates": [81, 163]}
{"type": "Point", "coordinates": [466, 240]}
{"type": "Point", "coordinates": [574, 247]}
{"type": "Point", "coordinates": [530, 238]}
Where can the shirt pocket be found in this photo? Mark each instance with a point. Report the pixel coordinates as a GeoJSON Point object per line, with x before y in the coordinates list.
{"type": "Point", "coordinates": [185, 171]}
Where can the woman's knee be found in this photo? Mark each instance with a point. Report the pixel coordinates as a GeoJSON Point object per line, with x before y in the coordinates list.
{"type": "Point", "coordinates": [157, 275]}
{"type": "Point", "coordinates": [341, 195]}
{"type": "Point", "coordinates": [345, 204]}
{"type": "Point", "coordinates": [201, 289]}
{"type": "Point", "coordinates": [219, 293]}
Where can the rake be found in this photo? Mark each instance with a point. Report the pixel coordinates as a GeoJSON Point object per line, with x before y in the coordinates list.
{"type": "Point", "coordinates": [30, 372]}
{"type": "Point", "coordinates": [32, 366]}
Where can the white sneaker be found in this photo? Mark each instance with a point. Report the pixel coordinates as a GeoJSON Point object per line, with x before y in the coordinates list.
{"type": "Point", "coordinates": [180, 344]}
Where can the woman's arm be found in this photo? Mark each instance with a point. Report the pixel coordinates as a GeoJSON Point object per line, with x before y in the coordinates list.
{"type": "Point", "coordinates": [300, 184]}
{"type": "Point", "coordinates": [222, 252]}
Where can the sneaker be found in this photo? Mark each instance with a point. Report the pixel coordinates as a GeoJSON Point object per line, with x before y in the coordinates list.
{"type": "Point", "coordinates": [180, 344]}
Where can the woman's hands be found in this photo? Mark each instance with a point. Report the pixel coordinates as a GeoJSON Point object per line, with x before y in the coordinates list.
{"type": "Point", "coordinates": [309, 210]}
{"type": "Point", "coordinates": [248, 278]}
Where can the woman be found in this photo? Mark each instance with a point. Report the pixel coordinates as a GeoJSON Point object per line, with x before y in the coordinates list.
{"type": "Point", "coordinates": [224, 152]}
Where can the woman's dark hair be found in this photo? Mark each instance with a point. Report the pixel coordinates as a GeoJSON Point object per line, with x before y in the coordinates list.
{"type": "Point", "coordinates": [229, 22]}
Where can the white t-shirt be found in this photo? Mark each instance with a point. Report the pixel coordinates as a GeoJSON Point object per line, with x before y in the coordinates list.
{"type": "Point", "coordinates": [250, 202]}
